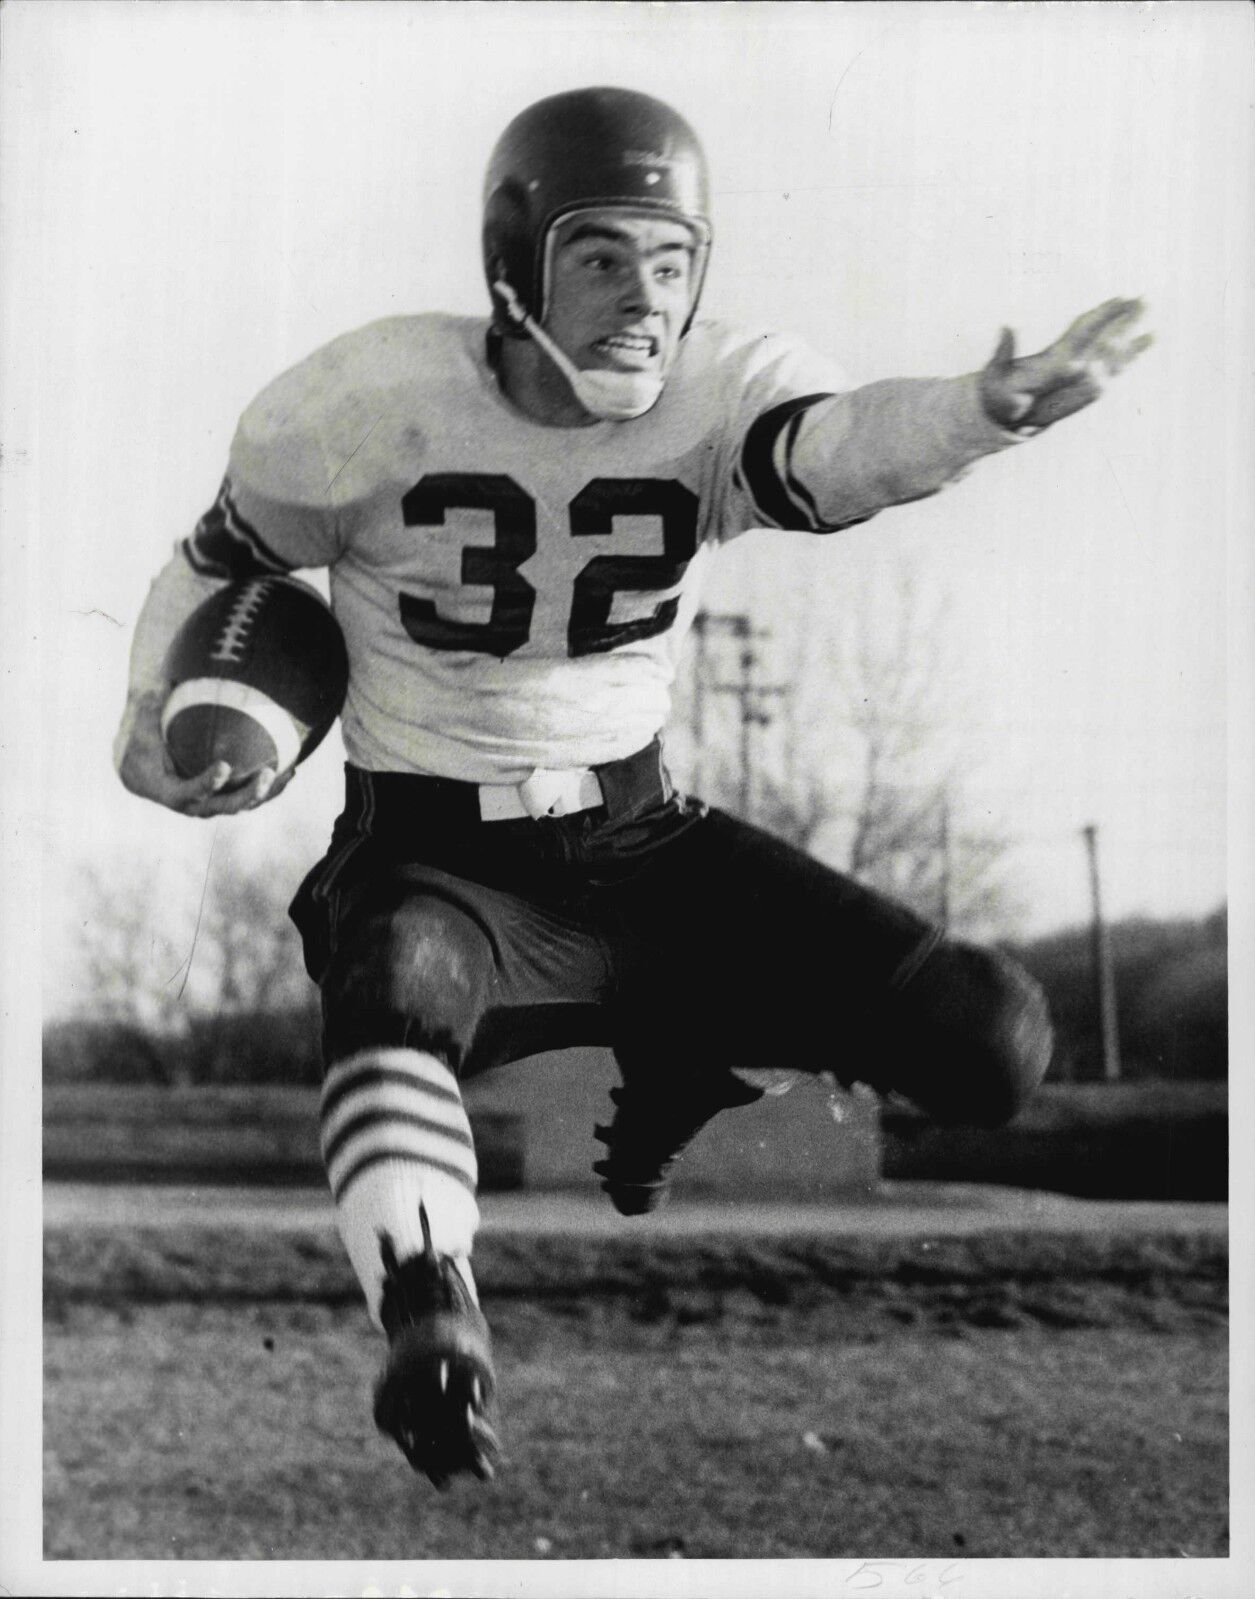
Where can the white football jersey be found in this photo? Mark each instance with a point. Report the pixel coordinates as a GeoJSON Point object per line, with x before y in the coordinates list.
{"type": "Point", "coordinates": [513, 595]}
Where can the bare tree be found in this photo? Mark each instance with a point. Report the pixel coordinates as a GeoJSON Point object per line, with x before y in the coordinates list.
{"type": "Point", "coordinates": [131, 949]}
{"type": "Point", "coordinates": [177, 964]}
{"type": "Point", "coordinates": [866, 768]}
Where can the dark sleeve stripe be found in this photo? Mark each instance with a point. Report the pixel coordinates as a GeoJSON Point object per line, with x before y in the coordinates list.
{"type": "Point", "coordinates": [247, 531]}
{"type": "Point", "coordinates": [219, 555]}
{"type": "Point", "coordinates": [770, 495]}
{"type": "Point", "coordinates": [198, 563]}
{"type": "Point", "coordinates": [224, 544]}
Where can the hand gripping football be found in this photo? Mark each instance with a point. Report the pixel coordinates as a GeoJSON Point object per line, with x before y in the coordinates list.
{"type": "Point", "coordinates": [259, 674]}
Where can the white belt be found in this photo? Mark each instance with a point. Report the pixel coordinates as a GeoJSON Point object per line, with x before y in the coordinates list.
{"type": "Point", "coordinates": [542, 794]}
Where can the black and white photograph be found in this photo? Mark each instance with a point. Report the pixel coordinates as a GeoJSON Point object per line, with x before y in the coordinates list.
{"type": "Point", "coordinates": [628, 641]}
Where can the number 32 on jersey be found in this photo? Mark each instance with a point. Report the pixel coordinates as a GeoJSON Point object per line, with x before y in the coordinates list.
{"type": "Point", "coordinates": [496, 565]}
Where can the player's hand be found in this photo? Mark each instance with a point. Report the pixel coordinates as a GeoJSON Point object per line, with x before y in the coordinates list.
{"type": "Point", "coordinates": [1034, 391]}
{"type": "Point", "coordinates": [147, 770]}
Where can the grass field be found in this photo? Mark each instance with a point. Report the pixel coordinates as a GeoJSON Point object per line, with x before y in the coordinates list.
{"type": "Point", "coordinates": [207, 1396]}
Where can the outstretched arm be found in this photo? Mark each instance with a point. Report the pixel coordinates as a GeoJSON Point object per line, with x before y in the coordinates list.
{"type": "Point", "coordinates": [274, 513]}
{"type": "Point", "coordinates": [828, 461]}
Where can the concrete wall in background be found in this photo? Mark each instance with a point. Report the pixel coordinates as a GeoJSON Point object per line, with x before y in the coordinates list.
{"type": "Point", "coordinates": [791, 1144]}
{"type": "Point", "coordinates": [533, 1124]}
{"type": "Point", "coordinates": [263, 1136]}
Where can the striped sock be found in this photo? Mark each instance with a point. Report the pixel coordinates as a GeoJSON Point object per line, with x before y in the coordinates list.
{"type": "Point", "coordinates": [394, 1134]}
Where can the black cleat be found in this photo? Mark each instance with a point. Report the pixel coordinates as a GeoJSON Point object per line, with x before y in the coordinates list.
{"type": "Point", "coordinates": [651, 1130]}
{"type": "Point", "coordinates": [435, 1392]}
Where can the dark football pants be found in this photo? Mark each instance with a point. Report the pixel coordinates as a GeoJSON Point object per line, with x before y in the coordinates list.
{"type": "Point", "coordinates": [686, 940]}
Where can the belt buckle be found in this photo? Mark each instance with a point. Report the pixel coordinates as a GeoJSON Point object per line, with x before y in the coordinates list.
{"type": "Point", "coordinates": [547, 793]}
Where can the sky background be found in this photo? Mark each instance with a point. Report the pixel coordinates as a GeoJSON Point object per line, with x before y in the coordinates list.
{"type": "Point", "coordinates": [196, 195]}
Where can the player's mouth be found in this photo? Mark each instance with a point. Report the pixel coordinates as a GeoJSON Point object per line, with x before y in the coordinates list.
{"type": "Point", "coordinates": [628, 351]}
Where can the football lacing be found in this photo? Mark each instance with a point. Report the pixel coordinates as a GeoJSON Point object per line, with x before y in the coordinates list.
{"type": "Point", "coordinates": [229, 646]}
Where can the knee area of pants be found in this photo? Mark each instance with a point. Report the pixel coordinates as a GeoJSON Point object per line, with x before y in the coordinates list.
{"type": "Point", "coordinates": [995, 1024]}
{"type": "Point", "coordinates": [414, 964]}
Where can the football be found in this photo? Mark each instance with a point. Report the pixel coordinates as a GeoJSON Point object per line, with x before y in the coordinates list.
{"type": "Point", "coordinates": [258, 673]}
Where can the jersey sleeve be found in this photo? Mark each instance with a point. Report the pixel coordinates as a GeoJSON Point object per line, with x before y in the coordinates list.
{"type": "Point", "coordinates": [778, 381]}
{"type": "Point", "coordinates": [276, 510]}
{"type": "Point", "coordinates": [902, 439]}
{"type": "Point", "coordinates": [814, 455]}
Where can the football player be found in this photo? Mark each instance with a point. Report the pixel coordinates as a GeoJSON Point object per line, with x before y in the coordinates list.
{"type": "Point", "coordinates": [516, 514]}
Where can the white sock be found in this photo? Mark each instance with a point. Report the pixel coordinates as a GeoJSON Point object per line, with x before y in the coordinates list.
{"type": "Point", "coordinates": [394, 1135]}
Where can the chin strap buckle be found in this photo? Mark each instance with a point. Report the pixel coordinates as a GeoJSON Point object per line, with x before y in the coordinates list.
{"type": "Point", "coordinates": [514, 306]}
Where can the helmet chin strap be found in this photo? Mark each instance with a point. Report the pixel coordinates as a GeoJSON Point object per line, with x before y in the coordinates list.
{"type": "Point", "coordinates": [610, 396]}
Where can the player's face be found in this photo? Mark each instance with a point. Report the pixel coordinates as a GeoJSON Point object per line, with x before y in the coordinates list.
{"type": "Point", "coordinates": [620, 288]}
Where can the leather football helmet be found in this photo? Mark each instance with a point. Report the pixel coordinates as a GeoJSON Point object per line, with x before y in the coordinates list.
{"type": "Point", "coordinates": [581, 150]}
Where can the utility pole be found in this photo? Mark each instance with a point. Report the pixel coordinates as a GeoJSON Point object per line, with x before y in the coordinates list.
{"type": "Point", "coordinates": [705, 625]}
{"type": "Point", "coordinates": [1104, 976]}
{"type": "Point", "coordinates": [700, 669]}
{"type": "Point", "coordinates": [741, 689]}
{"type": "Point", "coordinates": [749, 694]}
{"type": "Point", "coordinates": [752, 710]}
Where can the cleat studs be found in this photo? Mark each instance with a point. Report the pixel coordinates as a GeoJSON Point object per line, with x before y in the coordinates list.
{"type": "Point", "coordinates": [437, 1382]}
